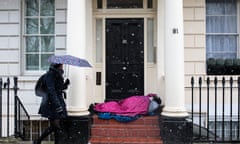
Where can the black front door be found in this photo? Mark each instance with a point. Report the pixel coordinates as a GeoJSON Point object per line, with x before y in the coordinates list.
{"type": "Point", "coordinates": [124, 58]}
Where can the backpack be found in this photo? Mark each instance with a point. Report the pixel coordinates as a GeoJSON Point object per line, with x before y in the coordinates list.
{"type": "Point", "coordinates": [40, 87]}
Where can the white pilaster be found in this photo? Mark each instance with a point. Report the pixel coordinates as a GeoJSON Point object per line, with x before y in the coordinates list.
{"type": "Point", "coordinates": [76, 46]}
{"type": "Point", "coordinates": [174, 60]}
{"type": "Point", "coordinates": [160, 49]}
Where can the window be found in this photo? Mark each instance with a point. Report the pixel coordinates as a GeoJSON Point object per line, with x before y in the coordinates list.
{"type": "Point", "coordinates": [226, 131]}
{"type": "Point", "coordinates": [99, 39]}
{"type": "Point", "coordinates": [221, 28]}
{"type": "Point", "coordinates": [221, 31]}
{"type": "Point", "coordinates": [39, 33]}
{"type": "Point", "coordinates": [151, 57]}
{"type": "Point", "coordinates": [125, 4]}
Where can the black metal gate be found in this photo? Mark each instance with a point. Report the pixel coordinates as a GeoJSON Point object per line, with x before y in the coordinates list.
{"type": "Point", "coordinates": [124, 58]}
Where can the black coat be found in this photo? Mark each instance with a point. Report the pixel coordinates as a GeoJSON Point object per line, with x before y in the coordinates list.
{"type": "Point", "coordinates": [53, 105]}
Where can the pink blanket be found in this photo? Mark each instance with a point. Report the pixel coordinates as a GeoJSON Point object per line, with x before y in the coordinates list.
{"type": "Point", "coordinates": [131, 106]}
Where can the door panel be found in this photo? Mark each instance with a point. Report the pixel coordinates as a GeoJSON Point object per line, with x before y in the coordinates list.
{"type": "Point", "coordinates": [124, 58]}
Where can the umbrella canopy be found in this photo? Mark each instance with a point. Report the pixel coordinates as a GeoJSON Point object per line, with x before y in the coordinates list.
{"type": "Point", "coordinates": [69, 60]}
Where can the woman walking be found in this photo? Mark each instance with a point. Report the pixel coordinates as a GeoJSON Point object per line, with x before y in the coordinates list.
{"type": "Point", "coordinates": [53, 105]}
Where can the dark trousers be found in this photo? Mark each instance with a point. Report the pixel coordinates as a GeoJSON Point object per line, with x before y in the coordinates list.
{"type": "Point", "coordinates": [54, 127]}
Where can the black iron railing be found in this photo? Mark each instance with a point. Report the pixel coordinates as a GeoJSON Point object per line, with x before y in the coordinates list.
{"type": "Point", "coordinates": [22, 120]}
{"type": "Point", "coordinates": [7, 111]}
{"type": "Point", "coordinates": [14, 118]}
{"type": "Point", "coordinates": [5, 108]}
{"type": "Point", "coordinates": [21, 116]}
{"type": "Point", "coordinates": [216, 109]}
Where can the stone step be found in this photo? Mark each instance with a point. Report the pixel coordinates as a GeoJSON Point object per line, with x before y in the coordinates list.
{"type": "Point", "coordinates": [144, 130]}
{"type": "Point", "coordinates": [127, 140]}
{"type": "Point", "coordinates": [127, 131]}
{"type": "Point", "coordinates": [145, 120]}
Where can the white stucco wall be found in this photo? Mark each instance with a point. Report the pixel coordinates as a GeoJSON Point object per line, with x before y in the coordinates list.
{"type": "Point", "coordinates": [9, 37]}
{"type": "Point", "coordinates": [194, 42]}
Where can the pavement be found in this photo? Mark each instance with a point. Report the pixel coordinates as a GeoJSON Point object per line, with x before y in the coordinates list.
{"type": "Point", "coordinates": [12, 140]}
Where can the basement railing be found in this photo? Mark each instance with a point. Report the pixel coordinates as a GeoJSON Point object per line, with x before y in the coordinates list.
{"type": "Point", "coordinates": [215, 109]}
{"type": "Point", "coordinates": [21, 118]}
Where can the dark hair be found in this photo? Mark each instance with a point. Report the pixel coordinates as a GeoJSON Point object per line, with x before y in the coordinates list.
{"type": "Point", "coordinates": [157, 99]}
{"type": "Point", "coordinates": [55, 65]}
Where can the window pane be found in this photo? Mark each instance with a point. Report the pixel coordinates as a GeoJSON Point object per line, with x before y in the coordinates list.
{"type": "Point", "coordinates": [47, 8]}
{"type": "Point", "coordinates": [31, 26]}
{"type": "Point", "coordinates": [227, 129]}
{"type": "Point", "coordinates": [44, 62]}
{"type": "Point", "coordinates": [32, 62]}
{"type": "Point", "coordinates": [47, 26]}
{"type": "Point", "coordinates": [99, 40]}
{"type": "Point", "coordinates": [230, 24]}
{"type": "Point", "coordinates": [124, 4]}
{"type": "Point", "coordinates": [230, 7]}
{"type": "Point", "coordinates": [221, 24]}
{"type": "Point", "coordinates": [221, 7]}
{"type": "Point", "coordinates": [215, 7]}
{"type": "Point", "coordinates": [32, 44]}
{"type": "Point", "coordinates": [150, 40]}
{"type": "Point", "coordinates": [149, 3]}
{"type": "Point", "coordinates": [99, 4]}
{"type": "Point", "coordinates": [32, 7]}
{"type": "Point", "coordinates": [221, 46]}
{"type": "Point", "coordinates": [47, 44]}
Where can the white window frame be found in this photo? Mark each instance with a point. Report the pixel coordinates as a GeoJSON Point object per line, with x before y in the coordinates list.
{"type": "Point", "coordinates": [23, 40]}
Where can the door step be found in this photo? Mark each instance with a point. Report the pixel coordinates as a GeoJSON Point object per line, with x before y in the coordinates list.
{"type": "Point", "coordinates": [144, 130]}
{"type": "Point", "coordinates": [126, 140]}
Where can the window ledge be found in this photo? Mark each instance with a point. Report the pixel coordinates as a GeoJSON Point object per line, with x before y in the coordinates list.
{"type": "Point", "coordinates": [28, 78]}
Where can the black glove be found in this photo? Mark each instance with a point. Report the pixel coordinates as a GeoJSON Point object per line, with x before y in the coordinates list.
{"type": "Point", "coordinates": [67, 82]}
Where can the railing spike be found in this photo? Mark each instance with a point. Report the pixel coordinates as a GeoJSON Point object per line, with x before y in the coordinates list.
{"type": "Point", "coordinates": [231, 81]}
{"type": "Point", "coordinates": [238, 80]}
{"type": "Point", "coordinates": [208, 80]}
{"type": "Point", "coordinates": [200, 80]}
{"type": "Point", "coordinates": [192, 81]}
{"type": "Point", "coordinates": [223, 81]}
{"type": "Point", "coordinates": [215, 80]}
